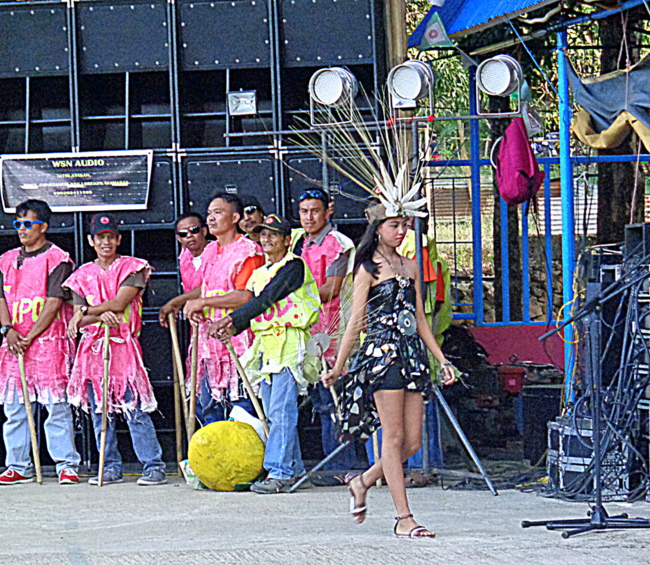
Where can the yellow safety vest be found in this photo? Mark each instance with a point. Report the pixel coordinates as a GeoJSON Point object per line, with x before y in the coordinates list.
{"type": "Point", "coordinates": [282, 331]}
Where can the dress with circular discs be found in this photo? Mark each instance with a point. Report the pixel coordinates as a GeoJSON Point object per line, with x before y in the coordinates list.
{"type": "Point", "coordinates": [392, 356]}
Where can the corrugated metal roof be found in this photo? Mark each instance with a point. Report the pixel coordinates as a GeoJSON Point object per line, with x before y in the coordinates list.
{"type": "Point", "coordinates": [463, 17]}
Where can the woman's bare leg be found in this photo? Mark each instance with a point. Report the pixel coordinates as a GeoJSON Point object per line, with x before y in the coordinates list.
{"type": "Point", "coordinates": [400, 414]}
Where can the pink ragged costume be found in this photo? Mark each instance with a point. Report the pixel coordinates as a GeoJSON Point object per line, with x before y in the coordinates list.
{"type": "Point", "coordinates": [318, 259]}
{"type": "Point", "coordinates": [219, 275]}
{"type": "Point", "coordinates": [126, 370]}
{"type": "Point", "coordinates": [47, 361]}
{"type": "Point", "coordinates": [191, 278]}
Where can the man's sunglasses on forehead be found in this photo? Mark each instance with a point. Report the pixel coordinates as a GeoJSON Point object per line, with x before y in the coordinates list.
{"type": "Point", "coordinates": [194, 230]}
{"type": "Point", "coordinates": [314, 193]}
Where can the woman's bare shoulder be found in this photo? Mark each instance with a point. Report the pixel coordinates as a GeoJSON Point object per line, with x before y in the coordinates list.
{"type": "Point", "coordinates": [411, 268]}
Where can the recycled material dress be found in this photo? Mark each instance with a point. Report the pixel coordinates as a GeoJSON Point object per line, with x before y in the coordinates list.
{"type": "Point", "coordinates": [392, 356]}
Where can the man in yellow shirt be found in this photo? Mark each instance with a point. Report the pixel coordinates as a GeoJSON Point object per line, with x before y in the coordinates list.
{"type": "Point", "coordinates": [283, 305]}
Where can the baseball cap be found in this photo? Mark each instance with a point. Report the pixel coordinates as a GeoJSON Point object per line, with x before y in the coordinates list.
{"type": "Point", "coordinates": [103, 222]}
{"type": "Point", "coordinates": [248, 200]}
{"type": "Point", "coordinates": [274, 223]}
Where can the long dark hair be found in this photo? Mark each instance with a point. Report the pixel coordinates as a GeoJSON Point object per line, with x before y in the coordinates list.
{"type": "Point", "coordinates": [366, 250]}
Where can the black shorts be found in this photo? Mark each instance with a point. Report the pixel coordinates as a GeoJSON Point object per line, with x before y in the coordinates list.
{"type": "Point", "coordinates": [392, 379]}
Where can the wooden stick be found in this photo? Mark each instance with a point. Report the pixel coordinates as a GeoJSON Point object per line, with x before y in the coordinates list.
{"type": "Point", "coordinates": [30, 419]}
{"type": "Point", "coordinates": [193, 369]}
{"type": "Point", "coordinates": [335, 397]}
{"type": "Point", "coordinates": [249, 388]}
{"type": "Point", "coordinates": [178, 360]}
{"type": "Point", "coordinates": [180, 405]}
{"type": "Point", "coordinates": [178, 422]}
{"type": "Point", "coordinates": [104, 432]}
{"type": "Point", "coordinates": [375, 450]}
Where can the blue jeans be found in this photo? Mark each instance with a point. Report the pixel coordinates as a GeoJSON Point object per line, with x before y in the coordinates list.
{"type": "Point", "coordinates": [435, 451]}
{"type": "Point", "coordinates": [143, 436]}
{"type": "Point", "coordinates": [59, 435]}
{"type": "Point", "coordinates": [323, 405]}
{"type": "Point", "coordinates": [282, 458]}
{"type": "Point", "coordinates": [209, 410]}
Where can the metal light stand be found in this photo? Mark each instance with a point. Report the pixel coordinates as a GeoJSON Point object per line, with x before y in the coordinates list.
{"type": "Point", "coordinates": [419, 255]}
{"type": "Point", "coordinates": [597, 519]}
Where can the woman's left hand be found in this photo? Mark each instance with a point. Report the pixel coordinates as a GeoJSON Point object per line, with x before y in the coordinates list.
{"type": "Point", "coordinates": [448, 373]}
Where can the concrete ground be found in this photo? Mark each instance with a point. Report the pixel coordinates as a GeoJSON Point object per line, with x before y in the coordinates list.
{"type": "Point", "coordinates": [171, 524]}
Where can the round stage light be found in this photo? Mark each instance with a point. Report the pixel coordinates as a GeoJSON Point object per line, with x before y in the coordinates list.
{"type": "Point", "coordinates": [499, 76]}
{"type": "Point", "coordinates": [333, 86]}
{"type": "Point", "coordinates": [411, 80]}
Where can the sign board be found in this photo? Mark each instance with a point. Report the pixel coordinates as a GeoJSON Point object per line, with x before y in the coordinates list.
{"type": "Point", "coordinates": [78, 182]}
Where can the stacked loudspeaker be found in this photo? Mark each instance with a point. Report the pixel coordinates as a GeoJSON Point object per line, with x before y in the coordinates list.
{"type": "Point", "coordinates": [102, 75]}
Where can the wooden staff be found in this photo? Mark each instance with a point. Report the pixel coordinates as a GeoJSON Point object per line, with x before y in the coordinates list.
{"type": "Point", "coordinates": [180, 405]}
{"type": "Point", "coordinates": [104, 432]}
{"type": "Point", "coordinates": [375, 449]}
{"type": "Point", "coordinates": [249, 388]}
{"type": "Point", "coordinates": [191, 424]}
{"type": "Point", "coordinates": [30, 419]}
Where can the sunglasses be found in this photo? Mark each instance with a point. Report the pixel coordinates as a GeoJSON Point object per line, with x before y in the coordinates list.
{"type": "Point", "coordinates": [250, 209]}
{"type": "Point", "coordinates": [194, 230]}
{"type": "Point", "coordinates": [313, 193]}
{"type": "Point", "coordinates": [27, 224]}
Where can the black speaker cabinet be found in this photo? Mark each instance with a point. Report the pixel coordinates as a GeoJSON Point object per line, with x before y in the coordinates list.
{"type": "Point", "coordinates": [327, 32]}
{"type": "Point", "coordinates": [225, 34]}
{"type": "Point", "coordinates": [160, 207]}
{"type": "Point", "coordinates": [118, 37]}
{"type": "Point", "coordinates": [33, 40]}
{"type": "Point", "coordinates": [637, 242]}
{"type": "Point", "coordinates": [350, 200]}
{"type": "Point", "coordinates": [236, 175]}
{"type": "Point", "coordinates": [156, 350]}
{"type": "Point", "coordinates": [541, 404]}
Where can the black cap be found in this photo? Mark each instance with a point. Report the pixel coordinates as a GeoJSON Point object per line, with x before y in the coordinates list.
{"type": "Point", "coordinates": [103, 222]}
{"type": "Point", "coordinates": [250, 200]}
{"type": "Point", "coordinates": [274, 223]}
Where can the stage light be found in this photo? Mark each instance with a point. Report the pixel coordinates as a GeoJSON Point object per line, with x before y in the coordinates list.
{"type": "Point", "coordinates": [334, 86]}
{"type": "Point", "coordinates": [242, 103]}
{"type": "Point", "coordinates": [499, 76]}
{"type": "Point", "coordinates": [409, 82]}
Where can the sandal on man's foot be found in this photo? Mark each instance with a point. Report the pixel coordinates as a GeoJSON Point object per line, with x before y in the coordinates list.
{"type": "Point", "coordinates": [416, 532]}
{"type": "Point", "coordinates": [358, 512]}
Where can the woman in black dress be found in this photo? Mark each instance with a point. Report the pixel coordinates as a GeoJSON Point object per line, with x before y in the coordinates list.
{"type": "Point", "coordinates": [390, 374]}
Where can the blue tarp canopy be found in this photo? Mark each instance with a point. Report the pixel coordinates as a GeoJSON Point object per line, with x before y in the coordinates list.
{"type": "Point", "coordinates": [461, 17]}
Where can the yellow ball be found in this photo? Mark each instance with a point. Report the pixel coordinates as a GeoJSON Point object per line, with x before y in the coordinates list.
{"type": "Point", "coordinates": [223, 454]}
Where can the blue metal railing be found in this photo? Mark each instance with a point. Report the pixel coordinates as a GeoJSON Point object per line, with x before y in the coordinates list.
{"type": "Point", "coordinates": [477, 314]}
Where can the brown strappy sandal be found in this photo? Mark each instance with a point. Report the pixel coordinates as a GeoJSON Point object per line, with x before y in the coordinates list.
{"type": "Point", "coordinates": [358, 512]}
{"type": "Point", "coordinates": [417, 532]}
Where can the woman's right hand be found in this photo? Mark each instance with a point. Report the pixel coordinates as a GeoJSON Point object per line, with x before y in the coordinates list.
{"type": "Point", "coordinates": [328, 378]}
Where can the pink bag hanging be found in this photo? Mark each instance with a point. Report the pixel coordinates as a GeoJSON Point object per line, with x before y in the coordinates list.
{"type": "Point", "coordinates": [518, 174]}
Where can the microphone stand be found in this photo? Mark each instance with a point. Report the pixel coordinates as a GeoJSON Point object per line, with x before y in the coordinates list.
{"type": "Point", "coordinates": [597, 519]}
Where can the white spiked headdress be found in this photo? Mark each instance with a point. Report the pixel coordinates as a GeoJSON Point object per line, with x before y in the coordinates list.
{"type": "Point", "coordinates": [379, 163]}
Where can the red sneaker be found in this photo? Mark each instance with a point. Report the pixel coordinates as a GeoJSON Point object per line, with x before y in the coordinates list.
{"type": "Point", "coordinates": [68, 477]}
{"type": "Point", "coordinates": [11, 477]}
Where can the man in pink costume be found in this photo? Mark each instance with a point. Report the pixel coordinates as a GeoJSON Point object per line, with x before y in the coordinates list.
{"type": "Point", "coordinates": [253, 216]}
{"type": "Point", "coordinates": [191, 233]}
{"type": "Point", "coordinates": [34, 314]}
{"type": "Point", "coordinates": [329, 255]}
{"type": "Point", "coordinates": [108, 292]}
{"type": "Point", "coordinates": [229, 263]}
